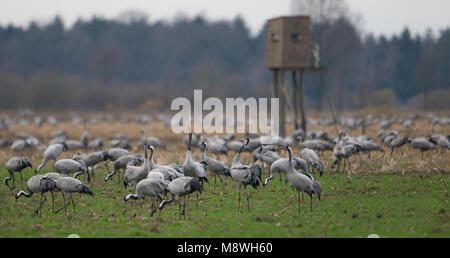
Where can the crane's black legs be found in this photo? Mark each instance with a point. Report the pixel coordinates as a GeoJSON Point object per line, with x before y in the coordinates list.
{"type": "Point", "coordinates": [239, 200]}
{"type": "Point", "coordinates": [73, 203]}
{"type": "Point", "coordinates": [53, 202]}
{"type": "Point", "coordinates": [39, 209]}
{"type": "Point", "coordinates": [248, 202]}
{"type": "Point", "coordinates": [223, 185]}
{"type": "Point", "coordinates": [298, 198]}
{"type": "Point", "coordinates": [281, 182]}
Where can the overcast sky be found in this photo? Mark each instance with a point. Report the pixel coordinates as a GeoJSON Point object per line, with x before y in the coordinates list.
{"type": "Point", "coordinates": [378, 16]}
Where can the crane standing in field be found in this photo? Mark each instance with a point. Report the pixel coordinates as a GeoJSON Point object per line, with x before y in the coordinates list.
{"type": "Point", "coordinates": [38, 184]}
{"type": "Point", "coordinates": [314, 162]}
{"type": "Point", "coordinates": [134, 174]}
{"type": "Point", "coordinates": [16, 164]}
{"type": "Point", "coordinates": [180, 187]}
{"type": "Point", "coordinates": [71, 185]}
{"type": "Point", "coordinates": [301, 182]}
{"type": "Point", "coordinates": [281, 165]}
{"type": "Point", "coordinates": [267, 156]}
{"type": "Point", "coordinates": [192, 168]}
{"type": "Point", "coordinates": [52, 152]}
{"type": "Point", "coordinates": [154, 188]}
{"type": "Point", "coordinates": [67, 166]}
{"type": "Point", "coordinates": [121, 163]}
{"type": "Point", "coordinates": [245, 175]}
{"type": "Point", "coordinates": [214, 166]}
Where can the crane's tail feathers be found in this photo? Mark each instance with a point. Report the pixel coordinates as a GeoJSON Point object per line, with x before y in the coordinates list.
{"type": "Point", "coordinates": [255, 175]}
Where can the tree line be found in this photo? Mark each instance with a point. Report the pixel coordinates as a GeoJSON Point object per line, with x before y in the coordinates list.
{"type": "Point", "coordinates": [114, 64]}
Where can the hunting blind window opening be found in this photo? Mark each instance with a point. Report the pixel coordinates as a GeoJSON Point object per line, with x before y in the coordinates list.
{"type": "Point", "coordinates": [274, 37]}
{"type": "Point", "coordinates": [296, 37]}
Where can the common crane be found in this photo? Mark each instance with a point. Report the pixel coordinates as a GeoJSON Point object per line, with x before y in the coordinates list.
{"type": "Point", "coordinates": [245, 175]}
{"type": "Point", "coordinates": [16, 164]}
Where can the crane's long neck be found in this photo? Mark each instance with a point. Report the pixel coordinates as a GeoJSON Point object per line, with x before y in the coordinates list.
{"type": "Point", "coordinates": [290, 166]}
{"type": "Point", "coordinates": [152, 163]}
{"type": "Point", "coordinates": [28, 195]}
{"type": "Point", "coordinates": [190, 141]}
{"type": "Point", "coordinates": [237, 157]}
{"type": "Point", "coordinates": [203, 152]}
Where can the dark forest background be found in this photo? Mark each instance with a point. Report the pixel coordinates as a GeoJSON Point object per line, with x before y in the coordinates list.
{"type": "Point", "coordinates": [131, 63]}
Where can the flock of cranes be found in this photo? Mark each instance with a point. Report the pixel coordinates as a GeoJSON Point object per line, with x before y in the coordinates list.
{"type": "Point", "coordinates": [157, 181]}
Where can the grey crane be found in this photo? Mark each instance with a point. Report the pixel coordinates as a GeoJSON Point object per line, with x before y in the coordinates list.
{"type": "Point", "coordinates": [168, 171]}
{"type": "Point", "coordinates": [71, 185]}
{"type": "Point", "coordinates": [313, 160]}
{"type": "Point", "coordinates": [301, 182]}
{"type": "Point", "coordinates": [318, 145]}
{"type": "Point", "coordinates": [84, 138]}
{"type": "Point", "coordinates": [252, 145]}
{"type": "Point", "coordinates": [367, 146]}
{"type": "Point", "coordinates": [19, 145]}
{"type": "Point", "coordinates": [192, 168]}
{"type": "Point", "coordinates": [52, 152]}
{"type": "Point", "coordinates": [90, 160]}
{"type": "Point", "coordinates": [16, 164]}
{"type": "Point", "coordinates": [214, 166]}
{"type": "Point", "coordinates": [397, 143]}
{"type": "Point", "coordinates": [245, 175]}
{"type": "Point", "coordinates": [217, 145]}
{"type": "Point", "coordinates": [442, 141]}
{"type": "Point", "coordinates": [134, 174]}
{"type": "Point", "coordinates": [194, 142]}
{"type": "Point", "coordinates": [38, 184]}
{"type": "Point", "coordinates": [180, 187]}
{"type": "Point", "coordinates": [256, 153]}
{"type": "Point", "coordinates": [280, 166]}
{"type": "Point", "coordinates": [97, 143]}
{"type": "Point", "coordinates": [234, 145]}
{"type": "Point", "coordinates": [154, 141]}
{"type": "Point", "coordinates": [267, 156]}
{"type": "Point", "coordinates": [74, 145]}
{"type": "Point", "coordinates": [422, 143]}
{"type": "Point", "coordinates": [113, 154]}
{"type": "Point", "coordinates": [67, 166]}
{"type": "Point", "coordinates": [121, 163]}
{"type": "Point", "coordinates": [343, 151]}
{"type": "Point", "coordinates": [154, 188]}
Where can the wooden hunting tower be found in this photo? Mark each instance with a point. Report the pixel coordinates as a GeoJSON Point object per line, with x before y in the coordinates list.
{"type": "Point", "coordinates": [288, 48]}
{"type": "Point", "coordinates": [288, 43]}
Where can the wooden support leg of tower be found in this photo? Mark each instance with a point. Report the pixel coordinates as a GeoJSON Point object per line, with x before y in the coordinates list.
{"type": "Point", "coordinates": [294, 99]}
{"type": "Point", "coordinates": [282, 102]}
{"type": "Point", "coordinates": [302, 101]}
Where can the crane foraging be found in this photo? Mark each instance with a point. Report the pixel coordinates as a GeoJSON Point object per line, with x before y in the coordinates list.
{"type": "Point", "coordinates": [301, 182]}
{"type": "Point", "coordinates": [16, 164]}
{"type": "Point", "coordinates": [214, 166]}
{"type": "Point", "coordinates": [71, 185]}
{"type": "Point", "coordinates": [154, 188]}
{"type": "Point", "coordinates": [38, 184]}
{"type": "Point", "coordinates": [245, 175]}
{"type": "Point", "coordinates": [52, 152]}
{"type": "Point", "coordinates": [180, 187]}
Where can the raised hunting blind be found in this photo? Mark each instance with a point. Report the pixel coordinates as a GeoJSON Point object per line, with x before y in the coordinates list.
{"type": "Point", "coordinates": [288, 43]}
{"type": "Point", "coordinates": [288, 48]}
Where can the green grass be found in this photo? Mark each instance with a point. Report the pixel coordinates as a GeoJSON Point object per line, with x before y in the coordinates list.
{"type": "Point", "coordinates": [387, 204]}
